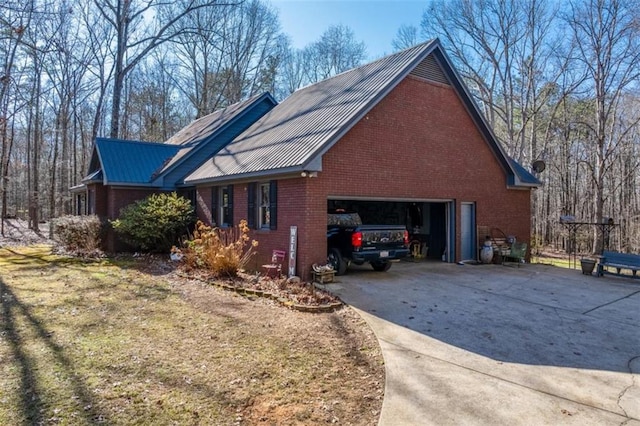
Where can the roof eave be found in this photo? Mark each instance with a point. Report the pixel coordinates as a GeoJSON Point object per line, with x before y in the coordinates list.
{"type": "Point", "coordinates": [133, 184]}
{"type": "Point", "coordinates": [104, 172]}
{"type": "Point", "coordinates": [289, 172]}
{"type": "Point", "coordinates": [76, 189]}
{"type": "Point", "coordinates": [514, 182]}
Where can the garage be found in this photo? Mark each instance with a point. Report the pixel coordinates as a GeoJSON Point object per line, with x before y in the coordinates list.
{"type": "Point", "coordinates": [429, 222]}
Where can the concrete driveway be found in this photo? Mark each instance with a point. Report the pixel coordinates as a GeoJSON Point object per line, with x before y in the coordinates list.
{"type": "Point", "coordinates": [492, 344]}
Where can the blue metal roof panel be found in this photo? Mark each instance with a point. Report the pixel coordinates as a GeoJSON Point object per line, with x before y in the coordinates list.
{"type": "Point", "coordinates": [126, 161]}
{"type": "Point", "coordinates": [312, 118]}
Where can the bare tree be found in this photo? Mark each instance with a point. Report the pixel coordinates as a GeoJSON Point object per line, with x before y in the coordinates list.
{"type": "Point", "coordinates": [505, 51]}
{"type": "Point", "coordinates": [607, 40]}
{"type": "Point", "coordinates": [65, 67]}
{"type": "Point", "coordinates": [99, 35]}
{"type": "Point", "coordinates": [150, 109]}
{"type": "Point", "coordinates": [292, 71]}
{"type": "Point", "coordinates": [230, 53]}
{"type": "Point", "coordinates": [406, 36]}
{"type": "Point", "coordinates": [336, 51]}
{"type": "Point", "coordinates": [140, 26]}
{"type": "Point", "coordinates": [15, 17]}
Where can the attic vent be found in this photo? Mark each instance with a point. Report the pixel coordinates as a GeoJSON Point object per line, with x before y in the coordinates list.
{"type": "Point", "coordinates": [430, 70]}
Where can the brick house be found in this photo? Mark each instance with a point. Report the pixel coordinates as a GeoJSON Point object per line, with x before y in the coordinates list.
{"type": "Point", "coordinates": [400, 140]}
{"type": "Point", "coordinates": [123, 171]}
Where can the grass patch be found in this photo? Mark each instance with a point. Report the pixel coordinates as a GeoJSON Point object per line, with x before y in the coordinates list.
{"type": "Point", "coordinates": [555, 261]}
{"type": "Point", "coordinates": [112, 342]}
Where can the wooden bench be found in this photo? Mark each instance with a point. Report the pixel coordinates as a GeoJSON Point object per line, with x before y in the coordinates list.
{"type": "Point", "coordinates": [620, 261]}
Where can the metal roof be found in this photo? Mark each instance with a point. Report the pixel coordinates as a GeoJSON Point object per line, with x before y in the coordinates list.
{"type": "Point", "coordinates": [523, 176]}
{"type": "Point", "coordinates": [308, 122]}
{"type": "Point", "coordinates": [205, 127]}
{"type": "Point", "coordinates": [291, 136]}
{"type": "Point", "coordinates": [96, 176]}
{"type": "Point", "coordinates": [129, 162]}
{"type": "Point", "coordinates": [295, 134]}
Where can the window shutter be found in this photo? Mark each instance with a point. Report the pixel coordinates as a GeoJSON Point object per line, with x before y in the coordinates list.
{"type": "Point", "coordinates": [273, 204]}
{"type": "Point", "coordinates": [214, 206]}
{"type": "Point", "coordinates": [230, 191]}
{"type": "Point", "coordinates": [251, 205]}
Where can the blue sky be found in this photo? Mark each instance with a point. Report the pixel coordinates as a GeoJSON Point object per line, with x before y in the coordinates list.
{"type": "Point", "coordinates": [375, 22]}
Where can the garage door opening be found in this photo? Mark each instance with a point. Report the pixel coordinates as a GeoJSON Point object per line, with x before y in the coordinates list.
{"type": "Point", "coordinates": [426, 221]}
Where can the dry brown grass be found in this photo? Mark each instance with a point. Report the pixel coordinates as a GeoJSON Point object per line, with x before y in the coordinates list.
{"type": "Point", "coordinates": [128, 342]}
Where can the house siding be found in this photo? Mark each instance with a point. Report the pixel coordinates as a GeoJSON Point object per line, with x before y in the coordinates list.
{"type": "Point", "coordinates": [420, 142]}
{"type": "Point", "coordinates": [203, 205]}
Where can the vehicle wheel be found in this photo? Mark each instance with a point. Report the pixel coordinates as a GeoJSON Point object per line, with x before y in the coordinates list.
{"type": "Point", "coordinates": [381, 266]}
{"type": "Point", "coordinates": [337, 261]}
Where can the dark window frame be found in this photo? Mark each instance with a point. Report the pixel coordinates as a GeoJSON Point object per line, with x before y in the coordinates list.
{"type": "Point", "coordinates": [259, 208]}
{"type": "Point", "coordinates": [218, 207]}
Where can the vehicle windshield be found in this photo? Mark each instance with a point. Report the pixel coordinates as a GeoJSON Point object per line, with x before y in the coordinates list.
{"type": "Point", "coordinates": [344, 219]}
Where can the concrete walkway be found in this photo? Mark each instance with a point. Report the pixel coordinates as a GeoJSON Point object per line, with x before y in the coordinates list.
{"type": "Point", "coordinates": [492, 344]}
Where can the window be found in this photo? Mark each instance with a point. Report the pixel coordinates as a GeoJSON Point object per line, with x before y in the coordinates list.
{"type": "Point", "coordinates": [262, 205]}
{"type": "Point", "coordinates": [226, 203]}
{"type": "Point", "coordinates": [222, 206]}
{"type": "Point", "coordinates": [264, 215]}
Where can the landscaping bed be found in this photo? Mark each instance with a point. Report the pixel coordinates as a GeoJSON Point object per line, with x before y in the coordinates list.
{"type": "Point", "coordinates": [291, 293]}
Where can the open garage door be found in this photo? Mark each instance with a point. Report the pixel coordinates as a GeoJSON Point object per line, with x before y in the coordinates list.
{"type": "Point", "coordinates": [428, 221]}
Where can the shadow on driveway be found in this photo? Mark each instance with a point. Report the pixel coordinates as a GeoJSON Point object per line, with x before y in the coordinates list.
{"type": "Point", "coordinates": [478, 343]}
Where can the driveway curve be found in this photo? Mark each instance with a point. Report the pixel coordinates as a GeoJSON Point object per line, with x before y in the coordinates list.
{"type": "Point", "coordinates": [490, 344]}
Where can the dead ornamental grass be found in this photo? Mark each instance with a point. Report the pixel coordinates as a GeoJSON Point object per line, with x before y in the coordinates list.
{"type": "Point", "coordinates": [122, 343]}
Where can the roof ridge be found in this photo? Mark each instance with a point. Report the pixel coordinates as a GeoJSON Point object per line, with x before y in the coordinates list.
{"type": "Point", "coordinates": [370, 64]}
{"type": "Point", "coordinates": [118, 140]}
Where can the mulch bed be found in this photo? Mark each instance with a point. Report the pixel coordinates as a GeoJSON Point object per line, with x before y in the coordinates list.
{"type": "Point", "coordinates": [291, 293]}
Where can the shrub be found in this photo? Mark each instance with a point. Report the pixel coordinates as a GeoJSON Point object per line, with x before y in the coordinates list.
{"type": "Point", "coordinates": [155, 223]}
{"type": "Point", "coordinates": [223, 252]}
{"type": "Point", "coordinates": [78, 234]}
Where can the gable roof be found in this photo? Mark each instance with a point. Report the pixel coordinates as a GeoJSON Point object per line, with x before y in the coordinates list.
{"type": "Point", "coordinates": [130, 162]}
{"type": "Point", "coordinates": [294, 135]}
{"type": "Point", "coordinates": [206, 127]}
{"type": "Point", "coordinates": [136, 163]}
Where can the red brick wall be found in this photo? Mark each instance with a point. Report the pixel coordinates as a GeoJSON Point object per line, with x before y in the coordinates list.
{"type": "Point", "coordinates": [100, 202]}
{"type": "Point", "coordinates": [119, 198]}
{"type": "Point", "coordinates": [294, 209]}
{"type": "Point", "coordinates": [109, 201]}
{"type": "Point", "coordinates": [203, 205]}
{"type": "Point", "coordinates": [420, 142]}
{"type": "Point", "coordinates": [417, 143]}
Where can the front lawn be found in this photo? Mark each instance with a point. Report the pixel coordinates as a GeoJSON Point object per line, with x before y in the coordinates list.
{"type": "Point", "coordinates": [129, 342]}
